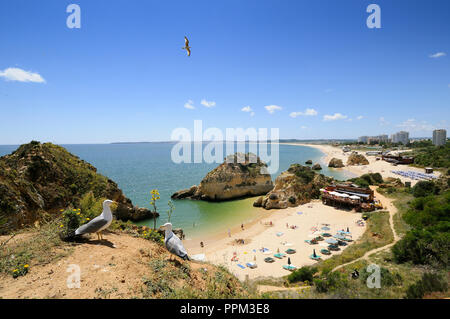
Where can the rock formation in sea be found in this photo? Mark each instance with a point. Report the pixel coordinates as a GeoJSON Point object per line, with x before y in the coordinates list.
{"type": "Point", "coordinates": [39, 180]}
{"type": "Point", "coordinates": [316, 167]}
{"type": "Point", "coordinates": [309, 162]}
{"type": "Point", "coordinates": [336, 163]}
{"type": "Point", "coordinates": [357, 159]}
{"type": "Point", "coordinates": [296, 186]}
{"type": "Point", "coordinates": [240, 175]}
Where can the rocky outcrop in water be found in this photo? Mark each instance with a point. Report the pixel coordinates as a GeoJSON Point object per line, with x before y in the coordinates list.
{"type": "Point", "coordinates": [316, 167]}
{"type": "Point", "coordinates": [240, 175]}
{"type": "Point", "coordinates": [336, 163]}
{"type": "Point", "coordinates": [309, 162]}
{"type": "Point", "coordinates": [296, 186]}
{"type": "Point", "coordinates": [357, 159]}
{"type": "Point", "coordinates": [39, 180]}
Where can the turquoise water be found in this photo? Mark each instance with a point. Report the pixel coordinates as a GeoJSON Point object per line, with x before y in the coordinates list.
{"type": "Point", "coordinates": [139, 168]}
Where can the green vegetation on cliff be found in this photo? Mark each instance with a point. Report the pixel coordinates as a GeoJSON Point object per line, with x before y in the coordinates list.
{"type": "Point", "coordinates": [40, 179]}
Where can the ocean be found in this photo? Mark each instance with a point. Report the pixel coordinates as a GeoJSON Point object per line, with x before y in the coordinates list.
{"type": "Point", "coordinates": [140, 167]}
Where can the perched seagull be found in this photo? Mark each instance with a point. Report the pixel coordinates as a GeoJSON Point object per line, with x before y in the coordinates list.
{"type": "Point", "coordinates": [186, 46]}
{"type": "Point", "coordinates": [173, 243]}
{"type": "Point", "coordinates": [99, 223]}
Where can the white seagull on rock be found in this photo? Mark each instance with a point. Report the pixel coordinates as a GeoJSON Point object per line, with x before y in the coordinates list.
{"type": "Point", "coordinates": [173, 243]}
{"type": "Point", "coordinates": [99, 223]}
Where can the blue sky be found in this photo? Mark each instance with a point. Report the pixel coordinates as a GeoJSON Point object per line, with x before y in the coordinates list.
{"type": "Point", "coordinates": [124, 77]}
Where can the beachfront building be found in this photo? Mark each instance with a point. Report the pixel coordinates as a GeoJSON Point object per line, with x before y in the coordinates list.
{"type": "Point", "coordinates": [377, 139]}
{"type": "Point", "coordinates": [439, 137]}
{"type": "Point", "coordinates": [400, 137]}
{"type": "Point", "coordinates": [349, 196]}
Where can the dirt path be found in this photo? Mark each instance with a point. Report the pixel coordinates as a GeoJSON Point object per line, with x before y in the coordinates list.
{"type": "Point", "coordinates": [267, 288]}
{"type": "Point", "coordinates": [388, 204]}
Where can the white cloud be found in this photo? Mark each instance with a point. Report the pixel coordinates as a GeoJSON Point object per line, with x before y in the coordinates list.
{"type": "Point", "coordinates": [334, 117]}
{"type": "Point", "coordinates": [412, 125]}
{"type": "Point", "coordinates": [359, 117]}
{"type": "Point", "coordinates": [248, 109]}
{"type": "Point", "coordinates": [189, 105]}
{"type": "Point", "coordinates": [16, 74]}
{"type": "Point", "coordinates": [303, 127]}
{"type": "Point", "coordinates": [308, 112]}
{"type": "Point", "coordinates": [208, 103]}
{"type": "Point", "coordinates": [437, 55]}
{"type": "Point", "coordinates": [272, 108]}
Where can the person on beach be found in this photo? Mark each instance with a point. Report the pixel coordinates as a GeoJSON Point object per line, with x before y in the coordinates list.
{"type": "Point", "coordinates": [201, 244]}
{"type": "Point", "coordinates": [242, 226]}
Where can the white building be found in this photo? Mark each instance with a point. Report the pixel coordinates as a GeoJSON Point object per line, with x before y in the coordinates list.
{"type": "Point", "coordinates": [363, 139]}
{"type": "Point", "coordinates": [400, 137]}
{"type": "Point", "coordinates": [439, 137]}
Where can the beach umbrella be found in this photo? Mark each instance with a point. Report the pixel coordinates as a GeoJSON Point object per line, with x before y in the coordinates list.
{"type": "Point", "coordinates": [325, 228]}
{"type": "Point", "coordinates": [289, 260]}
{"type": "Point", "coordinates": [348, 230]}
{"type": "Point", "coordinates": [331, 241]}
{"type": "Point", "coordinates": [314, 253]}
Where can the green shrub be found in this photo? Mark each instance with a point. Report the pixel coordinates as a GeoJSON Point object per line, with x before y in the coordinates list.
{"type": "Point", "coordinates": [424, 188]}
{"type": "Point", "coordinates": [304, 274]}
{"type": "Point", "coordinates": [429, 283]}
{"type": "Point", "coordinates": [330, 281]}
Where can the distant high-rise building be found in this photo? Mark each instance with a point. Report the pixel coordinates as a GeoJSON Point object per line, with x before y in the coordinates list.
{"type": "Point", "coordinates": [400, 137]}
{"type": "Point", "coordinates": [439, 137]}
{"type": "Point", "coordinates": [363, 139]}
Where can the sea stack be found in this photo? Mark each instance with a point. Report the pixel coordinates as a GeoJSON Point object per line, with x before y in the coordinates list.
{"type": "Point", "coordinates": [240, 175]}
{"type": "Point", "coordinates": [357, 159]}
{"type": "Point", "coordinates": [296, 186]}
{"type": "Point", "coordinates": [336, 163]}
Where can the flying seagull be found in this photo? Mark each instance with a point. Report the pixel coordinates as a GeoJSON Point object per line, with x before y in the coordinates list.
{"type": "Point", "coordinates": [173, 243]}
{"type": "Point", "coordinates": [99, 223]}
{"type": "Point", "coordinates": [186, 46]}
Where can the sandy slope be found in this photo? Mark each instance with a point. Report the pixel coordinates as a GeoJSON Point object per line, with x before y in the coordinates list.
{"type": "Point", "coordinates": [114, 268]}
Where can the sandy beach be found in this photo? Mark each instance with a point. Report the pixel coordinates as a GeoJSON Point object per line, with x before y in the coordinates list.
{"type": "Point", "coordinates": [374, 166]}
{"type": "Point", "coordinates": [308, 219]}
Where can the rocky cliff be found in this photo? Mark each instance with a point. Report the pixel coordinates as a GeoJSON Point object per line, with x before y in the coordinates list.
{"type": "Point", "coordinates": [240, 175]}
{"type": "Point", "coordinates": [296, 186]}
{"type": "Point", "coordinates": [357, 159]}
{"type": "Point", "coordinates": [38, 180]}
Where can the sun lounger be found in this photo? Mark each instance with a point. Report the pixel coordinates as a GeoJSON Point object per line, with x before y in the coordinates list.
{"type": "Point", "coordinates": [289, 267]}
{"type": "Point", "coordinates": [290, 251]}
{"type": "Point", "coordinates": [279, 255]}
{"type": "Point", "coordinates": [240, 266]}
{"type": "Point", "coordinates": [325, 251]}
{"type": "Point", "coordinates": [269, 260]}
{"type": "Point", "coordinates": [251, 265]}
{"type": "Point", "coordinates": [317, 257]}
{"type": "Point", "coordinates": [279, 234]}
